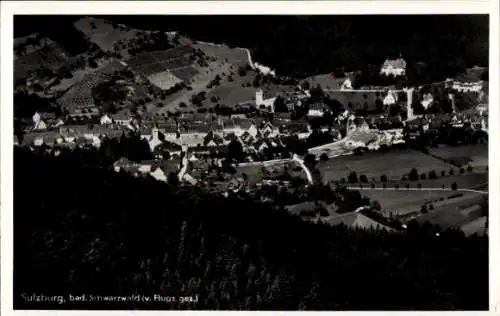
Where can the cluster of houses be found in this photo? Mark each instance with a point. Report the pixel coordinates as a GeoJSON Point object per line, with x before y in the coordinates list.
{"type": "Point", "coordinates": [472, 119]}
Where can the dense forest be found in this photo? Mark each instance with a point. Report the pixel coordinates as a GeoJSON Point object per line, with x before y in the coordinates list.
{"type": "Point", "coordinates": [80, 228]}
{"type": "Point", "coordinates": [302, 46]}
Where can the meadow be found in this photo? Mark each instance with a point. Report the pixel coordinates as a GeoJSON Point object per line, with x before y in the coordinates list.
{"type": "Point", "coordinates": [475, 155]}
{"type": "Point", "coordinates": [394, 165]}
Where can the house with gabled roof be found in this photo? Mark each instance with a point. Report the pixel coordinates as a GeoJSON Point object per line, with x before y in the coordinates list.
{"type": "Point", "coordinates": [394, 67]}
{"type": "Point", "coordinates": [316, 110]}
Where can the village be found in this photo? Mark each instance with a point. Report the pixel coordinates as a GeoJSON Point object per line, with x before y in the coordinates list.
{"type": "Point", "coordinates": [171, 96]}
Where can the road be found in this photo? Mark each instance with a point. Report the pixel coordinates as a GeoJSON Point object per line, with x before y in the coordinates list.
{"type": "Point", "coordinates": [420, 189]}
{"type": "Point", "coordinates": [304, 167]}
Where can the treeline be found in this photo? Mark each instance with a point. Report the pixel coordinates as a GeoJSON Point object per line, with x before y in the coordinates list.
{"type": "Point", "coordinates": [301, 46]}
{"type": "Point", "coordinates": [80, 229]}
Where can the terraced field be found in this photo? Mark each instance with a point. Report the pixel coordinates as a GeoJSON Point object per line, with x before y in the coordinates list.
{"type": "Point", "coordinates": [165, 68]}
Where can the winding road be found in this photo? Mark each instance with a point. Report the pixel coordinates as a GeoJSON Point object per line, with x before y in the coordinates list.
{"type": "Point", "coordinates": [304, 167]}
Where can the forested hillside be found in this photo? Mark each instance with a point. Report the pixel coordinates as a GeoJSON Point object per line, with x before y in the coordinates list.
{"type": "Point", "coordinates": [87, 230]}
{"type": "Point", "coordinates": [302, 46]}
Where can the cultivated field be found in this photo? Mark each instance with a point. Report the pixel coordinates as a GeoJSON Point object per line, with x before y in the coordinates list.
{"type": "Point", "coordinates": [394, 165]}
{"type": "Point", "coordinates": [165, 68]}
{"type": "Point", "coordinates": [474, 155]}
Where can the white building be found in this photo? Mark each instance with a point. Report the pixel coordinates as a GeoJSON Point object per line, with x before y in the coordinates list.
{"type": "Point", "coordinates": [390, 98]}
{"type": "Point", "coordinates": [346, 85]}
{"type": "Point", "coordinates": [427, 100]}
{"type": "Point", "coordinates": [395, 67]}
{"type": "Point", "coordinates": [409, 102]}
{"type": "Point", "coordinates": [106, 120]}
{"type": "Point", "coordinates": [268, 103]}
{"type": "Point", "coordinates": [316, 110]}
{"type": "Point", "coordinates": [465, 86]}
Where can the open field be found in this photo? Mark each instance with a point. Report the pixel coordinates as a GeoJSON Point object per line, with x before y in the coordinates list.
{"type": "Point", "coordinates": [235, 56]}
{"type": "Point", "coordinates": [474, 155]}
{"type": "Point", "coordinates": [403, 202]}
{"type": "Point", "coordinates": [394, 165]}
{"type": "Point", "coordinates": [230, 93]}
{"type": "Point", "coordinates": [455, 212]}
{"type": "Point", "coordinates": [102, 32]}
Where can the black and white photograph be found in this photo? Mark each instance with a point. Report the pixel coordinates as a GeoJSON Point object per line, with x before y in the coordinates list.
{"type": "Point", "coordinates": [263, 162]}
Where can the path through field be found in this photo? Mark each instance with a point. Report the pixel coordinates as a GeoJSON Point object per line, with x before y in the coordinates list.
{"type": "Point", "coordinates": [419, 189]}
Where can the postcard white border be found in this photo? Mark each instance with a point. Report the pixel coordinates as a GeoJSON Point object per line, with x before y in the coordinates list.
{"type": "Point", "coordinates": [9, 8]}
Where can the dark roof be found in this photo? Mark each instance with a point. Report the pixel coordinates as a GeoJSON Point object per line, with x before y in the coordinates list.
{"type": "Point", "coordinates": [168, 146]}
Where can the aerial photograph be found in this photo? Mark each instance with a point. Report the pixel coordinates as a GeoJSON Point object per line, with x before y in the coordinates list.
{"type": "Point", "coordinates": [251, 162]}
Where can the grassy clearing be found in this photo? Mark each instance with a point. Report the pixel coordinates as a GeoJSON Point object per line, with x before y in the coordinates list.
{"type": "Point", "coordinates": [454, 212]}
{"type": "Point", "coordinates": [102, 32]}
{"type": "Point", "coordinates": [403, 202]}
{"type": "Point", "coordinates": [233, 56]}
{"type": "Point", "coordinates": [393, 164]}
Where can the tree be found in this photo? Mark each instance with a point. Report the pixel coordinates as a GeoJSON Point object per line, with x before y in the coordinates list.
{"type": "Point", "coordinates": [469, 168]}
{"type": "Point", "coordinates": [396, 186]}
{"type": "Point", "coordinates": [383, 178]}
{"type": "Point", "coordinates": [363, 178]}
{"type": "Point", "coordinates": [423, 176]}
{"type": "Point", "coordinates": [413, 175]}
{"type": "Point", "coordinates": [419, 185]}
{"type": "Point", "coordinates": [310, 160]}
{"type": "Point", "coordinates": [443, 173]}
{"type": "Point", "coordinates": [451, 172]}
{"type": "Point", "coordinates": [432, 175]}
{"type": "Point", "coordinates": [235, 151]}
{"type": "Point", "coordinates": [431, 207]}
{"type": "Point", "coordinates": [462, 170]}
{"type": "Point", "coordinates": [352, 177]}
{"type": "Point", "coordinates": [173, 179]}
{"type": "Point", "coordinates": [454, 186]}
{"type": "Point", "coordinates": [423, 209]}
